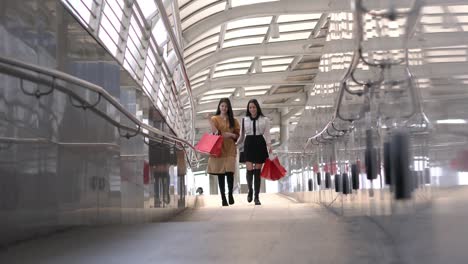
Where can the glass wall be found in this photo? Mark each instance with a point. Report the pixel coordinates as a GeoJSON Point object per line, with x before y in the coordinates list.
{"type": "Point", "coordinates": [61, 163]}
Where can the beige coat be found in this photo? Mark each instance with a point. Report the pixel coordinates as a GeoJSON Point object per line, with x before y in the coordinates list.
{"type": "Point", "coordinates": [227, 161]}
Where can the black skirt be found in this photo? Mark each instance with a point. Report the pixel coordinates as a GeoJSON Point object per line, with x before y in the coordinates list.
{"type": "Point", "coordinates": [255, 149]}
{"type": "Point", "coordinates": [242, 157]}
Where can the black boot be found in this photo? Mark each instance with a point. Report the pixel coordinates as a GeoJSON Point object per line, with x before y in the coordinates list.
{"type": "Point", "coordinates": [230, 182]}
{"type": "Point", "coordinates": [222, 190]}
{"type": "Point", "coordinates": [249, 184]}
{"type": "Point", "coordinates": [257, 186]}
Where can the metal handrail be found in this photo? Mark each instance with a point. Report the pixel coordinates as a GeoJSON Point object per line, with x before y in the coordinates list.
{"type": "Point", "coordinates": [11, 66]}
{"type": "Point", "coordinates": [47, 141]}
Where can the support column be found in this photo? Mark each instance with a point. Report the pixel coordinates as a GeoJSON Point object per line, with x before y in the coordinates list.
{"type": "Point", "coordinates": [237, 175]}
{"type": "Point", "coordinates": [284, 135]}
{"type": "Point", "coordinates": [284, 127]}
{"type": "Point", "coordinates": [213, 184]}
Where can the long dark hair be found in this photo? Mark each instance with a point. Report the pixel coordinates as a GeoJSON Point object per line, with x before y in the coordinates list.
{"type": "Point", "coordinates": [259, 110]}
{"type": "Point", "coordinates": [229, 112]}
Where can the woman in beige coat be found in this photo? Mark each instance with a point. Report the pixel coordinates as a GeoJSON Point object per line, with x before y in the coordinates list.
{"type": "Point", "coordinates": [224, 124]}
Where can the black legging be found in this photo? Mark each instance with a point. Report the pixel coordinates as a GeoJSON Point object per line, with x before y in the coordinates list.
{"type": "Point", "coordinates": [230, 182]}
{"type": "Point", "coordinates": [253, 178]}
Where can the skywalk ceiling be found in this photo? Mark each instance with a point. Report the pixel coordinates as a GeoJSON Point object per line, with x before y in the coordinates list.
{"type": "Point", "coordinates": [243, 49]}
{"type": "Point", "coordinates": [289, 54]}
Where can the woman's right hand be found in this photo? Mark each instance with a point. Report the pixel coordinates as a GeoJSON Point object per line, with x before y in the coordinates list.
{"type": "Point", "coordinates": [213, 127]}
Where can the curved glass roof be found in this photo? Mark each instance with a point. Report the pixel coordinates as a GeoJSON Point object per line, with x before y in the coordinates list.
{"type": "Point", "coordinates": [289, 54]}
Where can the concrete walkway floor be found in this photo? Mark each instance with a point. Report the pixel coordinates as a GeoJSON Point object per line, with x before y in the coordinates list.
{"type": "Point", "coordinates": [279, 231]}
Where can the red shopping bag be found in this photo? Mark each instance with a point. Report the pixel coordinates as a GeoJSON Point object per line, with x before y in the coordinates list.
{"type": "Point", "coordinates": [272, 170]}
{"type": "Point", "coordinates": [280, 168]}
{"type": "Point", "coordinates": [210, 144]}
{"type": "Point", "coordinates": [265, 173]}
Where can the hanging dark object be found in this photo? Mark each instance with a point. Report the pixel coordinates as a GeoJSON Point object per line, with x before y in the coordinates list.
{"type": "Point", "coordinates": [338, 183]}
{"type": "Point", "coordinates": [319, 179]}
{"type": "Point", "coordinates": [427, 175]}
{"type": "Point", "coordinates": [401, 175]}
{"type": "Point", "coordinates": [387, 166]}
{"type": "Point", "coordinates": [370, 157]}
{"type": "Point", "coordinates": [345, 180]}
{"type": "Point", "coordinates": [327, 180]}
{"type": "Point", "coordinates": [355, 176]}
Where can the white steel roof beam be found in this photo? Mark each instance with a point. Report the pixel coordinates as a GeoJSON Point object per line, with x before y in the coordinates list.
{"type": "Point", "coordinates": [202, 9]}
{"type": "Point", "coordinates": [291, 113]}
{"type": "Point", "coordinates": [292, 7]}
{"type": "Point", "coordinates": [289, 48]}
{"type": "Point", "coordinates": [428, 70]}
{"type": "Point", "coordinates": [242, 103]}
{"type": "Point", "coordinates": [255, 10]}
{"type": "Point", "coordinates": [155, 16]}
{"type": "Point", "coordinates": [96, 14]}
{"type": "Point", "coordinates": [257, 26]}
{"type": "Point", "coordinates": [124, 31]}
{"type": "Point", "coordinates": [270, 78]}
{"type": "Point", "coordinates": [177, 23]}
{"type": "Point", "coordinates": [219, 46]}
{"type": "Point", "coordinates": [318, 26]}
{"type": "Point", "coordinates": [256, 60]}
{"type": "Point", "coordinates": [440, 39]}
{"type": "Point", "coordinates": [145, 43]}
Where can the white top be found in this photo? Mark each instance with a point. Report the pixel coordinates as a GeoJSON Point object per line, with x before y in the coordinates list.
{"type": "Point", "coordinates": [262, 127]}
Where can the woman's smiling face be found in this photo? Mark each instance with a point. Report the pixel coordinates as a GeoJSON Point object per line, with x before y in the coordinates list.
{"type": "Point", "coordinates": [223, 108]}
{"type": "Point", "coordinates": [253, 109]}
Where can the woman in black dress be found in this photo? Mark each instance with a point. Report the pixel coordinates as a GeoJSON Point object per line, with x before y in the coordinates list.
{"type": "Point", "coordinates": [255, 136]}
